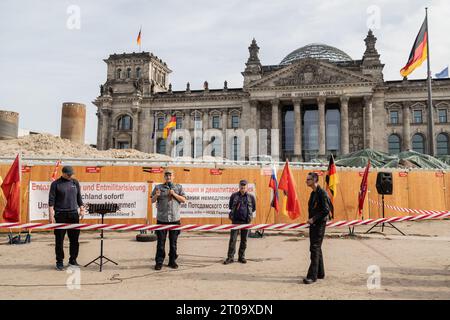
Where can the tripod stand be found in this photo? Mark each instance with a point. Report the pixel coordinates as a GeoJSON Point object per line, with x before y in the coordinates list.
{"type": "Point", "coordinates": [101, 256]}
{"type": "Point", "coordinates": [383, 224]}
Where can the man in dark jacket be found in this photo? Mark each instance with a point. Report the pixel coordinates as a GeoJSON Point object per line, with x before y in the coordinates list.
{"type": "Point", "coordinates": [64, 201]}
{"type": "Point", "coordinates": [318, 209]}
{"type": "Point", "coordinates": [242, 206]}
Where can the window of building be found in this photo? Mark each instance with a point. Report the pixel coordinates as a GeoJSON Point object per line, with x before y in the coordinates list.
{"type": "Point", "coordinates": [394, 144]}
{"type": "Point", "coordinates": [418, 116]}
{"type": "Point", "coordinates": [288, 131]}
{"type": "Point", "coordinates": [418, 143]}
{"type": "Point", "coordinates": [332, 130]}
{"type": "Point", "coordinates": [128, 73]}
{"type": "Point", "coordinates": [198, 122]}
{"type": "Point", "coordinates": [235, 121]}
{"type": "Point", "coordinates": [138, 72]}
{"type": "Point", "coordinates": [118, 73]}
{"type": "Point", "coordinates": [160, 123]}
{"type": "Point", "coordinates": [442, 144]}
{"type": "Point", "coordinates": [442, 115]}
{"type": "Point", "coordinates": [125, 123]}
{"type": "Point", "coordinates": [179, 122]}
{"type": "Point", "coordinates": [161, 146]}
{"type": "Point", "coordinates": [393, 117]}
{"type": "Point", "coordinates": [123, 145]}
{"type": "Point", "coordinates": [216, 122]}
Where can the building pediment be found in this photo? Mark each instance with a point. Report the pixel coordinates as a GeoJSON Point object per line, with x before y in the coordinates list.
{"type": "Point", "coordinates": [310, 72]}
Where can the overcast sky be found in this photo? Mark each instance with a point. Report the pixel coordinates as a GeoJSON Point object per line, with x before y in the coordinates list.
{"type": "Point", "coordinates": [44, 63]}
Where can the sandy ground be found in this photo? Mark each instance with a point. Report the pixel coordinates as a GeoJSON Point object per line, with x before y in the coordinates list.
{"type": "Point", "coordinates": [416, 266]}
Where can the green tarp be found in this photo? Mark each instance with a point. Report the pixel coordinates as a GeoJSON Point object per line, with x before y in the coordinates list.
{"type": "Point", "coordinates": [405, 159]}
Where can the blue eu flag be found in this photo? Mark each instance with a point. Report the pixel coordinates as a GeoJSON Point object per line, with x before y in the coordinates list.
{"type": "Point", "coordinates": [442, 74]}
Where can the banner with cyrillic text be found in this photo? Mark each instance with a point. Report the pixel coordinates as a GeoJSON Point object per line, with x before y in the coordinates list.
{"type": "Point", "coordinates": [207, 200]}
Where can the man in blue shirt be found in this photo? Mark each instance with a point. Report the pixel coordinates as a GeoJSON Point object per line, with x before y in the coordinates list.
{"type": "Point", "coordinates": [242, 206]}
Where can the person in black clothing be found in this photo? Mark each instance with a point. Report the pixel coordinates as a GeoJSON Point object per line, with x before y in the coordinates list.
{"type": "Point", "coordinates": [318, 209]}
{"type": "Point", "coordinates": [64, 201]}
{"type": "Point", "coordinates": [242, 205]}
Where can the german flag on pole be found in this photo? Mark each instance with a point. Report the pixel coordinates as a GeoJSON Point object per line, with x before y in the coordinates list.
{"type": "Point", "coordinates": [331, 181]}
{"type": "Point", "coordinates": [138, 40]}
{"type": "Point", "coordinates": [172, 124]}
{"type": "Point", "coordinates": [418, 52]}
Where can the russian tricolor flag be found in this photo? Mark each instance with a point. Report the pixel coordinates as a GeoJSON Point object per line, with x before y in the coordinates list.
{"type": "Point", "coordinates": [273, 184]}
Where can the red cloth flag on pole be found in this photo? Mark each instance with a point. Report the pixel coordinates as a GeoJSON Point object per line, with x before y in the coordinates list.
{"type": "Point", "coordinates": [273, 184]}
{"type": "Point", "coordinates": [363, 189]}
{"type": "Point", "coordinates": [55, 171]}
{"type": "Point", "coordinates": [287, 184]}
{"type": "Point", "coordinates": [11, 190]}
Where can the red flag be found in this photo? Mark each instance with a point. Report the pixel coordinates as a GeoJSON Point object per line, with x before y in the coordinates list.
{"type": "Point", "coordinates": [363, 189]}
{"type": "Point", "coordinates": [287, 184]}
{"type": "Point", "coordinates": [55, 171]}
{"type": "Point", "coordinates": [11, 190]}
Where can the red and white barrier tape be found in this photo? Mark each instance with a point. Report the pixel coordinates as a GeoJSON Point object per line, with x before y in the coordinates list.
{"type": "Point", "coordinates": [406, 210]}
{"type": "Point", "coordinates": [218, 227]}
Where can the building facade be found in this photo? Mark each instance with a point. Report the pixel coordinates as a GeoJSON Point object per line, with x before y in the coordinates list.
{"type": "Point", "coordinates": [317, 101]}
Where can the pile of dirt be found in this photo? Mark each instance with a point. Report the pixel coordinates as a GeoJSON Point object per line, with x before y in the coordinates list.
{"type": "Point", "coordinates": [46, 145]}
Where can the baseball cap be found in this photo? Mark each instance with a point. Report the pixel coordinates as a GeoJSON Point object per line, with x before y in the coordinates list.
{"type": "Point", "coordinates": [243, 182]}
{"type": "Point", "coordinates": [168, 171]}
{"type": "Point", "coordinates": [67, 170]}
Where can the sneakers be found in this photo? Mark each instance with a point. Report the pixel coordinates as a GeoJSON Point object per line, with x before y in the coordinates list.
{"type": "Point", "coordinates": [59, 266]}
{"type": "Point", "coordinates": [228, 261]}
{"type": "Point", "coordinates": [173, 265]}
{"type": "Point", "coordinates": [242, 260]}
{"type": "Point", "coordinates": [158, 266]}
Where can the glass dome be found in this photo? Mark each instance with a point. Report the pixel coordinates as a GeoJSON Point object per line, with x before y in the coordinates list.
{"type": "Point", "coordinates": [317, 51]}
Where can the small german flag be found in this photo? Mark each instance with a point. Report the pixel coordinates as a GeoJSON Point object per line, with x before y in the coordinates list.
{"type": "Point", "coordinates": [172, 124]}
{"type": "Point", "coordinates": [418, 52]}
{"type": "Point", "coordinates": [331, 181]}
{"type": "Point", "coordinates": [138, 40]}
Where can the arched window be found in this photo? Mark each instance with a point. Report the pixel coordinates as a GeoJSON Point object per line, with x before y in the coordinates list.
{"type": "Point", "coordinates": [128, 73]}
{"type": "Point", "coordinates": [394, 144]}
{"type": "Point", "coordinates": [119, 73]}
{"type": "Point", "coordinates": [418, 143]}
{"type": "Point", "coordinates": [161, 146]}
{"type": "Point", "coordinates": [138, 72]}
{"type": "Point", "coordinates": [125, 123]}
{"type": "Point", "coordinates": [442, 144]}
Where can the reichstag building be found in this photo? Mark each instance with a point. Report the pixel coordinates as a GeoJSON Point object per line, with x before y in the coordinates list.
{"type": "Point", "coordinates": [316, 101]}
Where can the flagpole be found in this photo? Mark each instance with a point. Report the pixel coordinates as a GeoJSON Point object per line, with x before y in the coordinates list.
{"type": "Point", "coordinates": [430, 100]}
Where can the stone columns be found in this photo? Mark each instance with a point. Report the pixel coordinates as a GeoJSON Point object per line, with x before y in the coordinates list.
{"type": "Point", "coordinates": [224, 132]}
{"type": "Point", "coordinates": [368, 143]}
{"type": "Point", "coordinates": [297, 130]}
{"type": "Point", "coordinates": [274, 135]}
{"type": "Point", "coordinates": [104, 133]}
{"type": "Point", "coordinates": [322, 138]}
{"type": "Point", "coordinates": [151, 145]}
{"type": "Point", "coordinates": [205, 126]}
{"type": "Point", "coordinates": [406, 115]}
{"type": "Point", "coordinates": [135, 133]}
{"type": "Point", "coordinates": [345, 148]}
